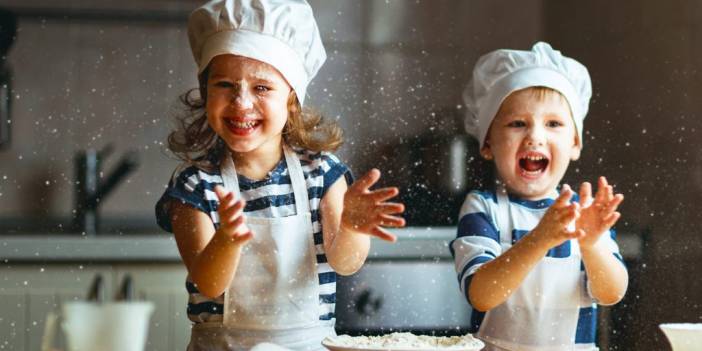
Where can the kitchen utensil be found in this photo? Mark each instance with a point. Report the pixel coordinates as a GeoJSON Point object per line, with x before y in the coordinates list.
{"type": "Point", "coordinates": [683, 336]}
{"type": "Point", "coordinates": [110, 326]}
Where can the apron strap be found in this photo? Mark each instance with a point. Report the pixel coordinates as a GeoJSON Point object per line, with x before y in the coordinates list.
{"type": "Point", "coordinates": [505, 220]}
{"type": "Point", "coordinates": [297, 178]}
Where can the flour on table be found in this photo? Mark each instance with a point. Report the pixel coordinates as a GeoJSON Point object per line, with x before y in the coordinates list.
{"type": "Point", "coordinates": [406, 341]}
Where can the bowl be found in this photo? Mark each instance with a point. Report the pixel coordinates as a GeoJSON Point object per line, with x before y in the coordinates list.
{"type": "Point", "coordinates": [683, 336]}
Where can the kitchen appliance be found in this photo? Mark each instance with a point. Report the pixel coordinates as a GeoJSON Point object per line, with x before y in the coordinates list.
{"type": "Point", "coordinates": [8, 32]}
{"type": "Point", "coordinates": [410, 286]}
{"type": "Point", "coordinates": [683, 336]}
{"type": "Point", "coordinates": [435, 170]}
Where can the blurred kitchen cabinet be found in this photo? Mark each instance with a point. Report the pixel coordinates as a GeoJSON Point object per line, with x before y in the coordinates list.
{"type": "Point", "coordinates": [28, 292]}
{"type": "Point", "coordinates": [164, 285]}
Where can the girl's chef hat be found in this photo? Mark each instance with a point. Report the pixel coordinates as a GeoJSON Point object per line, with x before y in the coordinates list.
{"type": "Point", "coordinates": [502, 72]}
{"type": "Point", "coordinates": [281, 33]}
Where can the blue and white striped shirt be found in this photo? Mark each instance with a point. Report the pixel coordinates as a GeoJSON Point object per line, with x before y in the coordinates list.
{"type": "Point", "coordinates": [271, 197]}
{"type": "Point", "coordinates": [479, 241]}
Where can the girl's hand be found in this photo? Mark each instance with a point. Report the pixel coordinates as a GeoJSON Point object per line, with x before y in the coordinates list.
{"type": "Point", "coordinates": [598, 215]}
{"type": "Point", "coordinates": [553, 229]}
{"type": "Point", "coordinates": [365, 211]}
{"type": "Point", "coordinates": [231, 217]}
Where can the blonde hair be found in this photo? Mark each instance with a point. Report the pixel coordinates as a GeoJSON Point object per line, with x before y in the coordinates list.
{"type": "Point", "coordinates": [195, 143]}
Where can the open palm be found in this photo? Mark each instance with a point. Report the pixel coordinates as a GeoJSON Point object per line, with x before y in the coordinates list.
{"type": "Point", "coordinates": [598, 214]}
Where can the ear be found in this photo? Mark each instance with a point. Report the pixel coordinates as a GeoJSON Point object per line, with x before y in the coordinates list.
{"type": "Point", "coordinates": [575, 149]}
{"type": "Point", "coordinates": [486, 151]}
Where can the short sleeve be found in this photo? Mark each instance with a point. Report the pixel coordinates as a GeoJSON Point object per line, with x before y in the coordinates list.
{"type": "Point", "coordinates": [477, 238]}
{"type": "Point", "coordinates": [189, 187]}
{"type": "Point", "coordinates": [333, 169]}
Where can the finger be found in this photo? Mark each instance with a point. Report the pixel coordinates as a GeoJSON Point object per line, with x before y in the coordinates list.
{"type": "Point", "coordinates": [564, 197]}
{"type": "Point", "coordinates": [233, 211]}
{"type": "Point", "coordinates": [232, 222]}
{"type": "Point", "coordinates": [367, 180]}
{"type": "Point", "coordinates": [612, 219]}
{"type": "Point", "coordinates": [391, 208]}
{"type": "Point", "coordinates": [241, 238]}
{"type": "Point", "coordinates": [221, 192]}
{"type": "Point", "coordinates": [391, 221]}
{"type": "Point", "coordinates": [614, 204]}
{"type": "Point", "coordinates": [383, 234]}
{"type": "Point", "coordinates": [585, 194]}
{"type": "Point", "coordinates": [380, 195]}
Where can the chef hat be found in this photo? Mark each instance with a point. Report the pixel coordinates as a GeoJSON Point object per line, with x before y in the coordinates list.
{"type": "Point", "coordinates": [502, 72]}
{"type": "Point", "coordinates": [281, 33]}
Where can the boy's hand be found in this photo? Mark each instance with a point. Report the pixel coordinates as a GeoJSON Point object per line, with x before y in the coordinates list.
{"type": "Point", "coordinates": [365, 211]}
{"type": "Point", "coordinates": [597, 215]}
{"type": "Point", "coordinates": [231, 217]}
{"type": "Point", "coordinates": [553, 229]}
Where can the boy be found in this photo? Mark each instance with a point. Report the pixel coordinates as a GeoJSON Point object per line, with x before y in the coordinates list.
{"type": "Point", "coordinates": [532, 263]}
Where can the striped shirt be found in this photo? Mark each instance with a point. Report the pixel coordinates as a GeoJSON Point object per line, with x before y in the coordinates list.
{"type": "Point", "coordinates": [479, 241]}
{"type": "Point", "coordinates": [271, 197]}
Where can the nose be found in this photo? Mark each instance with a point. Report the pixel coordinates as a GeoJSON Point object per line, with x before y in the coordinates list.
{"type": "Point", "coordinates": [536, 136]}
{"type": "Point", "coordinates": [242, 99]}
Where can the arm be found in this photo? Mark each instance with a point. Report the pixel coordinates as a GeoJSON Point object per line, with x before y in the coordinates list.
{"type": "Point", "coordinates": [348, 212]}
{"type": "Point", "coordinates": [496, 280]}
{"type": "Point", "coordinates": [211, 256]}
{"type": "Point", "coordinates": [608, 277]}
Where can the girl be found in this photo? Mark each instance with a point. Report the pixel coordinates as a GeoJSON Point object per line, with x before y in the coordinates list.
{"type": "Point", "coordinates": [262, 216]}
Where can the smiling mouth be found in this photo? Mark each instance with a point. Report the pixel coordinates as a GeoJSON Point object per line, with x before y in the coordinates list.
{"type": "Point", "coordinates": [241, 127]}
{"type": "Point", "coordinates": [533, 164]}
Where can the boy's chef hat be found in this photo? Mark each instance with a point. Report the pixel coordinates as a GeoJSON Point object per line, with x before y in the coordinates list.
{"type": "Point", "coordinates": [281, 33]}
{"type": "Point", "coordinates": [502, 72]}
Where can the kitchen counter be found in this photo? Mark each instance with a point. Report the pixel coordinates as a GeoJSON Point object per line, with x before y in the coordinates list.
{"type": "Point", "coordinates": [424, 243]}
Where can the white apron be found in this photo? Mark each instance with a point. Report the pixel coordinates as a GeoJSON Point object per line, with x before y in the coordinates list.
{"type": "Point", "coordinates": [274, 296]}
{"type": "Point", "coordinates": [554, 285]}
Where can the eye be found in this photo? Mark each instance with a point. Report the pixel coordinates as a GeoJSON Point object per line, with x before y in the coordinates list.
{"type": "Point", "coordinates": [262, 88]}
{"type": "Point", "coordinates": [554, 124]}
{"type": "Point", "coordinates": [223, 84]}
{"type": "Point", "coordinates": [516, 124]}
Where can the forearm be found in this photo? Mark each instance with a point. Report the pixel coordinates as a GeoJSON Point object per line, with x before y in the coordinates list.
{"type": "Point", "coordinates": [214, 268]}
{"type": "Point", "coordinates": [348, 251]}
{"type": "Point", "coordinates": [496, 280]}
{"type": "Point", "coordinates": [608, 277]}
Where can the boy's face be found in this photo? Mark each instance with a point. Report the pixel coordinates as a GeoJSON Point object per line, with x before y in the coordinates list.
{"type": "Point", "coordinates": [246, 103]}
{"type": "Point", "coordinates": [532, 140]}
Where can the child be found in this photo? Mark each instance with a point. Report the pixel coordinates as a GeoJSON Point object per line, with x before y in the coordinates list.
{"type": "Point", "coordinates": [262, 242]}
{"type": "Point", "coordinates": [532, 262]}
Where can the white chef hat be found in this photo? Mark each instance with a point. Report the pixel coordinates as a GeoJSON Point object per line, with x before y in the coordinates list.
{"type": "Point", "coordinates": [502, 72]}
{"type": "Point", "coordinates": [281, 33]}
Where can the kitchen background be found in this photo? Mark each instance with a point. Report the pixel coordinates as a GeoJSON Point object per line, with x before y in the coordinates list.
{"type": "Point", "coordinates": [88, 74]}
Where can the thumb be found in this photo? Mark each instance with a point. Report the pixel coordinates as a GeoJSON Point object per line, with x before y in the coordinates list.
{"type": "Point", "coordinates": [367, 180]}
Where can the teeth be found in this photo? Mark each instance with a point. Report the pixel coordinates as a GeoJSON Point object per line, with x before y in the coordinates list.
{"type": "Point", "coordinates": [535, 158]}
{"type": "Point", "coordinates": [248, 124]}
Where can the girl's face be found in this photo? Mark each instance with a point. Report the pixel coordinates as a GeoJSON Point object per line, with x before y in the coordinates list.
{"type": "Point", "coordinates": [532, 140]}
{"type": "Point", "coordinates": [247, 103]}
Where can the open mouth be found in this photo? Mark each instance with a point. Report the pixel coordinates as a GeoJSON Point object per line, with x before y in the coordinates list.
{"type": "Point", "coordinates": [533, 164]}
{"type": "Point", "coordinates": [240, 127]}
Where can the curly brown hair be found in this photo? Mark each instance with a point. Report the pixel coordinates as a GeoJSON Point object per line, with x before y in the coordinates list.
{"type": "Point", "coordinates": [195, 143]}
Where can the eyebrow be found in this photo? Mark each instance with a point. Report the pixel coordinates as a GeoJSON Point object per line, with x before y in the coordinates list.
{"type": "Point", "coordinates": [260, 78]}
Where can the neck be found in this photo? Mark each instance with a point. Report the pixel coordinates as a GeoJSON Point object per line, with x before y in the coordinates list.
{"type": "Point", "coordinates": [257, 163]}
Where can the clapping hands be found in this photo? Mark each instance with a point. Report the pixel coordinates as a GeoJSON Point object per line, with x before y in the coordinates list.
{"type": "Point", "coordinates": [366, 211]}
{"type": "Point", "coordinates": [231, 216]}
{"type": "Point", "coordinates": [598, 214]}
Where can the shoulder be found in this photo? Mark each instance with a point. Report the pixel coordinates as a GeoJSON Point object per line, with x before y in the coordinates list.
{"type": "Point", "coordinates": [311, 160]}
{"type": "Point", "coordinates": [478, 201]}
{"type": "Point", "coordinates": [192, 178]}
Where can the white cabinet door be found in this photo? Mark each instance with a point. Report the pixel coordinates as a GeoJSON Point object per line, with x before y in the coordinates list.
{"type": "Point", "coordinates": [29, 292]}
{"type": "Point", "coordinates": [164, 285]}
